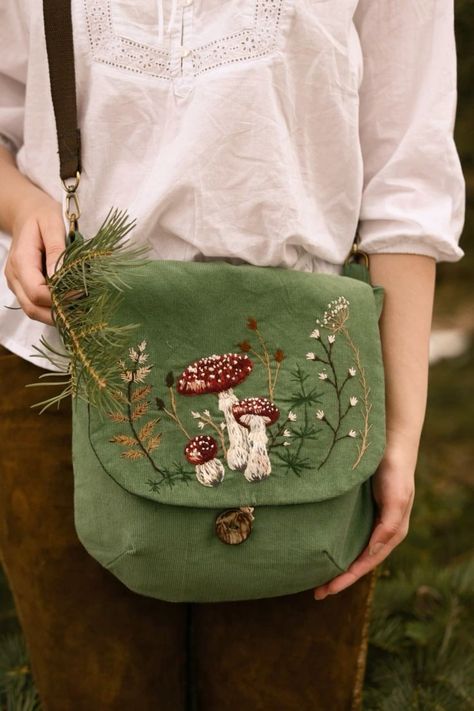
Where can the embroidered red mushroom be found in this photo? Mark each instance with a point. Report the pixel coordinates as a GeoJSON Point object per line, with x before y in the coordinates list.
{"type": "Point", "coordinates": [256, 413]}
{"type": "Point", "coordinates": [219, 374]}
{"type": "Point", "coordinates": [201, 451]}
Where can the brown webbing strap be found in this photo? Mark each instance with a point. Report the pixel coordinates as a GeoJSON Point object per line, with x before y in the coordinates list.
{"type": "Point", "coordinates": [60, 50]}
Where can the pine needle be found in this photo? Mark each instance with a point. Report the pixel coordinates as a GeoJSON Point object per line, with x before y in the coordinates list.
{"type": "Point", "coordinates": [86, 292]}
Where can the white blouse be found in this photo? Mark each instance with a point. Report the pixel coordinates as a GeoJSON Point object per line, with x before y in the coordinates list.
{"type": "Point", "coordinates": [259, 131]}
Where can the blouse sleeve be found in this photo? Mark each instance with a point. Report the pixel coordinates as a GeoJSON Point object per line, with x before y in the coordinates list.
{"type": "Point", "coordinates": [13, 68]}
{"type": "Point", "coordinates": [413, 198]}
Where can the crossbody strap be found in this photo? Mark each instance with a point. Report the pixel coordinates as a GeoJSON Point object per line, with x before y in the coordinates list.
{"type": "Point", "coordinates": [60, 49]}
{"type": "Point", "coordinates": [62, 78]}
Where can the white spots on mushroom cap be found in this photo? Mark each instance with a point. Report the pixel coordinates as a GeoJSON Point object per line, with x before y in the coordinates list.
{"type": "Point", "coordinates": [200, 449]}
{"type": "Point", "coordinates": [258, 406]}
{"type": "Point", "coordinates": [214, 373]}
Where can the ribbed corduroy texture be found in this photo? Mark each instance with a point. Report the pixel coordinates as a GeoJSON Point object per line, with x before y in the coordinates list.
{"type": "Point", "coordinates": [310, 522]}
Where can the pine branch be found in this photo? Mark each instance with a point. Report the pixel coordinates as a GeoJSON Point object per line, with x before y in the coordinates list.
{"type": "Point", "coordinates": [86, 291]}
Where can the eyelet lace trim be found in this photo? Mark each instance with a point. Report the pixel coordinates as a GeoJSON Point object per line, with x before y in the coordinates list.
{"type": "Point", "coordinates": [118, 51]}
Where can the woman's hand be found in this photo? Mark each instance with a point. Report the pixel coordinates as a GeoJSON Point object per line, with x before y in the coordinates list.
{"type": "Point", "coordinates": [393, 487]}
{"type": "Point", "coordinates": [38, 238]}
{"type": "Point", "coordinates": [405, 325]}
{"type": "Point", "coordinates": [35, 223]}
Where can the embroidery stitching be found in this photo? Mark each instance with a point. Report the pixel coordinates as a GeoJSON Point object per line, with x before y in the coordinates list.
{"type": "Point", "coordinates": [142, 442]}
{"type": "Point", "coordinates": [248, 432]}
{"type": "Point", "coordinates": [334, 320]}
{"type": "Point", "coordinates": [115, 50]}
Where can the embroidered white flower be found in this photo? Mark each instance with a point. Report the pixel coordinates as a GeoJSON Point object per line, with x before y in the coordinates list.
{"type": "Point", "coordinates": [195, 414]}
{"type": "Point", "coordinates": [201, 424]}
{"type": "Point", "coordinates": [310, 356]}
{"type": "Point", "coordinates": [320, 414]}
{"type": "Point", "coordinates": [336, 314]}
{"type": "Point", "coordinates": [315, 333]}
{"type": "Point", "coordinates": [331, 338]}
{"type": "Point", "coordinates": [291, 416]}
{"type": "Point", "coordinates": [352, 433]}
{"type": "Point", "coordinates": [351, 372]}
{"type": "Point", "coordinates": [353, 400]}
{"type": "Point", "coordinates": [286, 444]}
{"type": "Point", "coordinates": [323, 376]}
{"type": "Point", "coordinates": [286, 433]}
{"type": "Point", "coordinates": [223, 425]}
{"type": "Point", "coordinates": [207, 413]}
{"type": "Point", "coordinates": [142, 346]}
{"type": "Point", "coordinates": [127, 376]}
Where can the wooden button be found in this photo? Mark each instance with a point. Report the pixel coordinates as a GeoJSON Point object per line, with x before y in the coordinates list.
{"type": "Point", "coordinates": [235, 525]}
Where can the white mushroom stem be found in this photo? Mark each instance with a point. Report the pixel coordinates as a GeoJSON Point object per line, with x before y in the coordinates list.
{"type": "Point", "coordinates": [258, 463]}
{"type": "Point", "coordinates": [210, 473]}
{"type": "Point", "coordinates": [238, 451]}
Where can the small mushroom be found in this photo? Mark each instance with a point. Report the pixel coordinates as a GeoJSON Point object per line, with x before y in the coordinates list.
{"type": "Point", "coordinates": [256, 413]}
{"type": "Point", "coordinates": [219, 374]}
{"type": "Point", "coordinates": [201, 451]}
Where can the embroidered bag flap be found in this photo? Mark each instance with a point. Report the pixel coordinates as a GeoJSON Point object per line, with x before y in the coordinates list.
{"type": "Point", "coordinates": [242, 386]}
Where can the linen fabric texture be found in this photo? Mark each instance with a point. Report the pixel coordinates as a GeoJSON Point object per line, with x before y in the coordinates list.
{"type": "Point", "coordinates": [262, 131]}
{"type": "Point", "coordinates": [300, 355]}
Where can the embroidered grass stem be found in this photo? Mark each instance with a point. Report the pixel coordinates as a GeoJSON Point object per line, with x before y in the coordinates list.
{"type": "Point", "coordinates": [364, 443]}
{"type": "Point", "coordinates": [209, 421]}
{"type": "Point", "coordinates": [139, 441]}
{"type": "Point", "coordinates": [274, 436]}
{"type": "Point", "coordinates": [173, 413]}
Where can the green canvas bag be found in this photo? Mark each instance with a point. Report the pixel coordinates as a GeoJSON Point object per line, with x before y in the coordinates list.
{"type": "Point", "coordinates": [226, 419]}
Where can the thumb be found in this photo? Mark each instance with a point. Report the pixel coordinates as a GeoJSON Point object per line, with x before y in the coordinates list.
{"type": "Point", "coordinates": [54, 239]}
{"type": "Point", "coordinates": [388, 527]}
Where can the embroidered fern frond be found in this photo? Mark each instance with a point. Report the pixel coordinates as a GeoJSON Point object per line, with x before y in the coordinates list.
{"type": "Point", "coordinates": [86, 290]}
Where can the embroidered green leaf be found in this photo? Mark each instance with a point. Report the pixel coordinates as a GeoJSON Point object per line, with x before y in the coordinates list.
{"type": "Point", "coordinates": [294, 463]}
{"type": "Point", "coordinates": [304, 432]}
{"type": "Point", "coordinates": [170, 477]}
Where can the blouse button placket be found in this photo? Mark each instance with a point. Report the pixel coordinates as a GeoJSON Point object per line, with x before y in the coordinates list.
{"type": "Point", "coordinates": [181, 57]}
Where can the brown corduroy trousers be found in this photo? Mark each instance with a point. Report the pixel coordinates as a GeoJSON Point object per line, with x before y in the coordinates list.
{"type": "Point", "coordinates": [96, 646]}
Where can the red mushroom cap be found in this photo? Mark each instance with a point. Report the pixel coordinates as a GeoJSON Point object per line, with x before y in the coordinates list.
{"type": "Point", "coordinates": [200, 449]}
{"type": "Point", "coordinates": [261, 406]}
{"type": "Point", "coordinates": [214, 374]}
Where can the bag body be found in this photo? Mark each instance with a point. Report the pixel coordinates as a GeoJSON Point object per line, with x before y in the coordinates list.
{"type": "Point", "coordinates": [237, 464]}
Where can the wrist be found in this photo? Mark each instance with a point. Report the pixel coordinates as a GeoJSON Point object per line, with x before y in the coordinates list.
{"type": "Point", "coordinates": [403, 444]}
{"type": "Point", "coordinates": [32, 201]}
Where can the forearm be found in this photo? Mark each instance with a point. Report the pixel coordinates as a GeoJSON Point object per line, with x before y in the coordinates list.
{"type": "Point", "coordinates": [18, 194]}
{"type": "Point", "coordinates": [405, 327]}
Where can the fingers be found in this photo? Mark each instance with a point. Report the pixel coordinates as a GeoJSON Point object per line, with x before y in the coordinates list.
{"type": "Point", "coordinates": [37, 313]}
{"type": "Point", "coordinates": [54, 242]}
{"type": "Point", "coordinates": [24, 268]}
{"type": "Point", "coordinates": [391, 527]}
